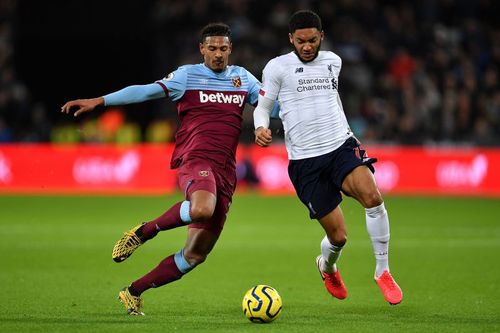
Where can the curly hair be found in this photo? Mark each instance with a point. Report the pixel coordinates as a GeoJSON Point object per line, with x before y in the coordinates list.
{"type": "Point", "coordinates": [304, 19]}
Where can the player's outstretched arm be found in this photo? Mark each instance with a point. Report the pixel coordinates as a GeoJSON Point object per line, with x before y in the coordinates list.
{"type": "Point", "coordinates": [79, 106]}
{"type": "Point", "coordinates": [127, 95]}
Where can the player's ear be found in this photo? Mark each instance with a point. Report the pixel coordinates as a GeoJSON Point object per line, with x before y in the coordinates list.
{"type": "Point", "coordinates": [202, 49]}
{"type": "Point", "coordinates": [290, 37]}
{"type": "Point", "coordinates": [322, 34]}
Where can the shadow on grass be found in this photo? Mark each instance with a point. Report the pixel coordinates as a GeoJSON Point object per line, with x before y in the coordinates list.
{"type": "Point", "coordinates": [101, 318]}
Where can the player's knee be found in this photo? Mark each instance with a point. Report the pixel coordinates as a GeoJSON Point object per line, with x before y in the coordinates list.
{"type": "Point", "coordinates": [200, 212]}
{"type": "Point", "coordinates": [372, 199]}
{"type": "Point", "coordinates": [339, 239]}
{"type": "Point", "coordinates": [193, 258]}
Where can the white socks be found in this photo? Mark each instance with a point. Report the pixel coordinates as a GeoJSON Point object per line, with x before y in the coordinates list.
{"type": "Point", "coordinates": [330, 254]}
{"type": "Point", "coordinates": [377, 224]}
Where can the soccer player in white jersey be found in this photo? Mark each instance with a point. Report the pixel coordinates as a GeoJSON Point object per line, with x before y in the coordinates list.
{"type": "Point", "coordinates": [325, 159]}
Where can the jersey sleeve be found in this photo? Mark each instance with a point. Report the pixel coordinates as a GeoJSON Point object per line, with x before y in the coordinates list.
{"type": "Point", "coordinates": [254, 87]}
{"type": "Point", "coordinates": [271, 80]}
{"type": "Point", "coordinates": [174, 84]}
{"type": "Point", "coordinates": [133, 94]}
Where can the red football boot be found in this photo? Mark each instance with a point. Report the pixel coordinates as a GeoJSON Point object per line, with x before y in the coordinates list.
{"type": "Point", "coordinates": [390, 289]}
{"type": "Point", "coordinates": [333, 282]}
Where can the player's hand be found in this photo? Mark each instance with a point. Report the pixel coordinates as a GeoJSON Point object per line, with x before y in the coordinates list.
{"type": "Point", "coordinates": [263, 136]}
{"type": "Point", "coordinates": [82, 105]}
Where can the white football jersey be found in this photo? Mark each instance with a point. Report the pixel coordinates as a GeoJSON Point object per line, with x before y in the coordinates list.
{"type": "Point", "coordinates": [310, 106]}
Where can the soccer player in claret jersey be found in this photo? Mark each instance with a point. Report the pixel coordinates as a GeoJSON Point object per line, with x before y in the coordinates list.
{"type": "Point", "coordinates": [210, 98]}
{"type": "Point", "coordinates": [325, 159]}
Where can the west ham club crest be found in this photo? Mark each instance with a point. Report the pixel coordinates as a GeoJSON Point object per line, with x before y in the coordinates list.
{"type": "Point", "coordinates": [236, 82]}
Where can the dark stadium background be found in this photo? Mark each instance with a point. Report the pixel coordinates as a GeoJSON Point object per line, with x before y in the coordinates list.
{"type": "Point", "coordinates": [448, 51]}
{"type": "Point", "coordinates": [75, 49]}
{"type": "Point", "coordinates": [78, 49]}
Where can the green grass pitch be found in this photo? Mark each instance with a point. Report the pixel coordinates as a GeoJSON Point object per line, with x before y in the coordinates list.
{"type": "Point", "coordinates": [56, 272]}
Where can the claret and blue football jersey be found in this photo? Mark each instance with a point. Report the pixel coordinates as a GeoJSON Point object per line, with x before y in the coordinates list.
{"type": "Point", "coordinates": [210, 106]}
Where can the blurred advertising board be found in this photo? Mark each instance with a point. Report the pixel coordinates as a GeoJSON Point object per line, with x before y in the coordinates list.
{"type": "Point", "coordinates": [144, 169]}
{"type": "Point", "coordinates": [86, 169]}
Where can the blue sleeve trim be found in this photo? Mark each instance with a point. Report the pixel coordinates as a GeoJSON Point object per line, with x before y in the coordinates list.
{"type": "Point", "coordinates": [254, 86]}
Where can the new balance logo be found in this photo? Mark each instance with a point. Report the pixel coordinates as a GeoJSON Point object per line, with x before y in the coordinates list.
{"type": "Point", "coordinates": [299, 70]}
{"type": "Point", "coordinates": [222, 98]}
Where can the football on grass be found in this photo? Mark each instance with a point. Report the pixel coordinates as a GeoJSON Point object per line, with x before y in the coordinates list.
{"type": "Point", "coordinates": [261, 304]}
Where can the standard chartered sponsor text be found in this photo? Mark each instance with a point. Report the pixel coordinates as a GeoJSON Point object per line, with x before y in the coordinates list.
{"type": "Point", "coordinates": [314, 84]}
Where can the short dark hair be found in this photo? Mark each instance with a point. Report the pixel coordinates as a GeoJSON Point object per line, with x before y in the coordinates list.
{"type": "Point", "coordinates": [215, 29]}
{"type": "Point", "coordinates": [304, 19]}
